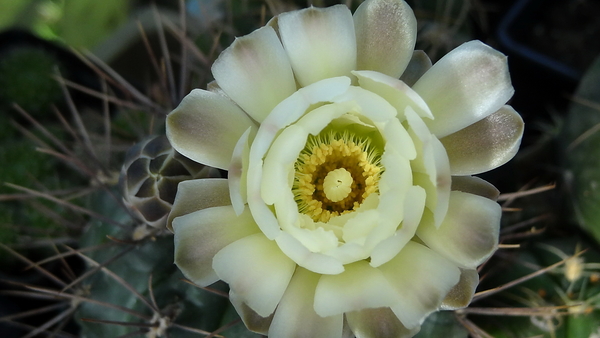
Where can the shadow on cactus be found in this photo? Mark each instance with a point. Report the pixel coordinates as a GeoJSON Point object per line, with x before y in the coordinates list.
{"type": "Point", "coordinates": [119, 279]}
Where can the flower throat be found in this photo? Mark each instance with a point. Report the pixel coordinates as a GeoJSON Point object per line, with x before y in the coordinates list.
{"type": "Point", "coordinates": [334, 174]}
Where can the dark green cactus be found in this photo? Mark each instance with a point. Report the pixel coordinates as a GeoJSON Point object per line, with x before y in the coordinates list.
{"type": "Point", "coordinates": [581, 139]}
{"type": "Point", "coordinates": [26, 79]}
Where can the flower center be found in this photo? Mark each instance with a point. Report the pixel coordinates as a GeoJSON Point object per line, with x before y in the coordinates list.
{"type": "Point", "coordinates": [334, 174]}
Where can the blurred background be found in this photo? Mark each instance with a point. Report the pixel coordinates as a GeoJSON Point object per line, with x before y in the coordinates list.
{"type": "Point", "coordinates": [123, 65]}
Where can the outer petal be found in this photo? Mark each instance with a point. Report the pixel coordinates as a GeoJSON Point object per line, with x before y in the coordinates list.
{"type": "Point", "coordinates": [206, 126]}
{"type": "Point", "coordinates": [466, 85]}
{"type": "Point", "coordinates": [201, 234]}
{"type": "Point", "coordinates": [461, 294]}
{"type": "Point", "coordinates": [377, 323]}
{"type": "Point", "coordinates": [361, 286]}
{"type": "Point", "coordinates": [386, 32]}
{"type": "Point", "coordinates": [194, 195]}
{"type": "Point", "coordinates": [469, 233]}
{"type": "Point", "coordinates": [418, 65]}
{"type": "Point", "coordinates": [485, 145]}
{"type": "Point", "coordinates": [256, 270]}
{"type": "Point", "coordinates": [295, 316]}
{"type": "Point", "coordinates": [251, 319]}
{"type": "Point", "coordinates": [255, 72]}
{"type": "Point", "coordinates": [422, 278]}
{"type": "Point", "coordinates": [476, 186]}
{"type": "Point", "coordinates": [320, 42]}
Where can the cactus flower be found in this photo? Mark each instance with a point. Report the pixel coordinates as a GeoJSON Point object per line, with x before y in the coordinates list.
{"type": "Point", "coordinates": [350, 204]}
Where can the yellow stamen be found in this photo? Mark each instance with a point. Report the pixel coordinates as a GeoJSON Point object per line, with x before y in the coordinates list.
{"type": "Point", "coordinates": [334, 174]}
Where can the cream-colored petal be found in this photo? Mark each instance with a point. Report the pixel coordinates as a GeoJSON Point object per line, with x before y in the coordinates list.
{"type": "Point", "coordinates": [295, 316]}
{"type": "Point", "coordinates": [378, 323]}
{"type": "Point", "coordinates": [361, 286]}
{"type": "Point", "coordinates": [315, 240]}
{"type": "Point", "coordinates": [316, 120]}
{"type": "Point", "coordinates": [263, 215]}
{"type": "Point", "coordinates": [206, 126]}
{"type": "Point", "coordinates": [214, 87]}
{"type": "Point", "coordinates": [372, 106]}
{"type": "Point", "coordinates": [466, 85]}
{"type": "Point", "coordinates": [251, 319]}
{"type": "Point", "coordinates": [201, 234]}
{"type": "Point", "coordinates": [295, 106]}
{"type": "Point", "coordinates": [267, 181]}
{"type": "Point", "coordinates": [396, 92]}
{"type": "Point", "coordinates": [283, 115]}
{"type": "Point", "coordinates": [320, 42]}
{"type": "Point", "coordinates": [279, 164]}
{"type": "Point", "coordinates": [194, 195]}
{"type": "Point", "coordinates": [347, 253]}
{"type": "Point", "coordinates": [256, 270]}
{"type": "Point", "coordinates": [431, 168]}
{"type": "Point", "coordinates": [419, 64]}
{"type": "Point", "coordinates": [461, 294]}
{"type": "Point", "coordinates": [413, 211]}
{"type": "Point", "coordinates": [398, 139]}
{"type": "Point", "coordinates": [394, 185]}
{"type": "Point", "coordinates": [237, 173]}
{"type": "Point", "coordinates": [347, 332]}
{"type": "Point", "coordinates": [469, 233]}
{"type": "Point", "coordinates": [486, 144]}
{"type": "Point", "coordinates": [358, 227]}
{"type": "Point", "coordinates": [386, 32]}
{"type": "Point", "coordinates": [443, 181]}
{"type": "Point", "coordinates": [313, 261]}
{"type": "Point", "coordinates": [476, 186]}
{"type": "Point", "coordinates": [422, 278]}
{"type": "Point", "coordinates": [255, 72]}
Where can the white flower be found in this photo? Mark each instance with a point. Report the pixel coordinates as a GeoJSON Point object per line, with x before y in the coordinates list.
{"type": "Point", "coordinates": [348, 193]}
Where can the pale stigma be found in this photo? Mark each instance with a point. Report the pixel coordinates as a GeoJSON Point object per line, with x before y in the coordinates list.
{"type": "Point", "coordinates": [337, 184]}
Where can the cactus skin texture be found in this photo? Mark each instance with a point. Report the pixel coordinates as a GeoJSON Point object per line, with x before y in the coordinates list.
{"type": "Point", "coordinates": [151, 172]}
